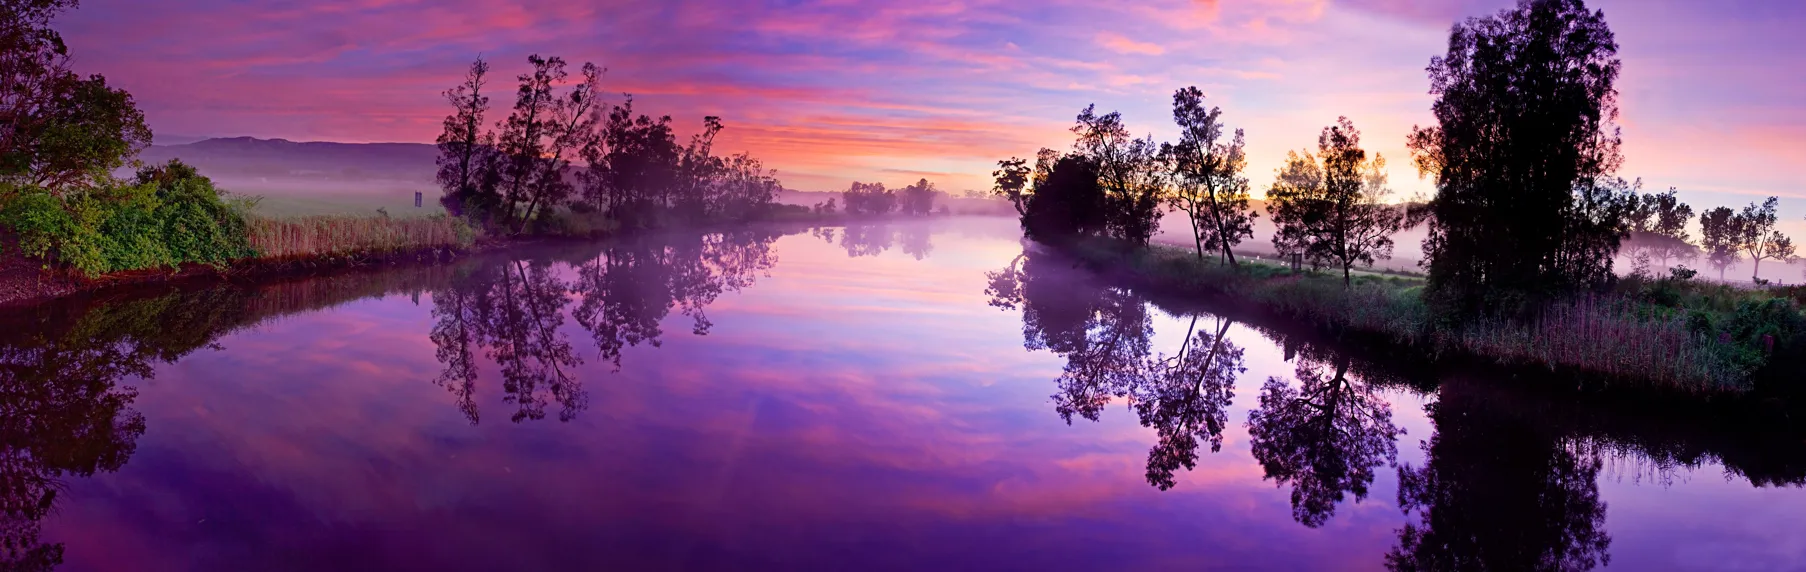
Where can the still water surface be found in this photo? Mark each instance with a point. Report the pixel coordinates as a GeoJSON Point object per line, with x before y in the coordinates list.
{"type": "Point", "coordinates": [910, 396]}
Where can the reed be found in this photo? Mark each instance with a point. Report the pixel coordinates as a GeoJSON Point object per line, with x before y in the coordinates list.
{"type": "Point", "coordinates": [1619, 334]}
{"type": "Point", "coordinates": [336, 236]}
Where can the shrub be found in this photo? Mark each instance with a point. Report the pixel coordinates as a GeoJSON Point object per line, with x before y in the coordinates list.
{"type": "Point", "coordinates": [168, 216]}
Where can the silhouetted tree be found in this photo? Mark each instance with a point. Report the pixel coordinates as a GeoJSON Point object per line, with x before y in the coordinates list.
{"type": "Point", "coordinates": [1659, 227]}
{"type": "Point", "coordinates": [1720, 236]}
{"type": "Point", "coordinates": [1523, 154]}
{"type": "Point", "coordinates": [1324, 437]}
{"type": "Point", "coordinates": [526, 137]}
{"type": "Point", "coordinates": [1067, 201]}
{"type": "Point", "coordinates": [631, 173]}
{"type": "Point", "coordinates": [1012, 182]}
{"type": "Point", "coordinates": [1756, 235]}
{"type": "Point", "coordinates": [918, 199]}
{"type": "Point", "coordinates": [1334, 213]}
{"type": "Point", "coordinates": [869, 199]}
{"type": "Point", "coordinates": [571, 130]}
{"type": "Point", "coordinates": [466, 152]}
{"type": "Point", "coordinates": [1129, 173]}
{"type": "Point", "coordinates": [1207, 177]}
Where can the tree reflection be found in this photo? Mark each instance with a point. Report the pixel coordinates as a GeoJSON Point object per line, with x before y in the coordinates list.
{"type": "Point", "coordinates": [63, 410]}
{"type": "Point", "coordinates": [1104, 336]}
{"type": "Point", "coordinates": [1497, 493]}
{"type": "Point", "coordinates": [512, 313]}
{"type": "Point", "coordinates": [871, 238]}
{"type": "Point", "coordinates": [1324, 437]}
{"type": "Point", "coordinates": [1187, 399]}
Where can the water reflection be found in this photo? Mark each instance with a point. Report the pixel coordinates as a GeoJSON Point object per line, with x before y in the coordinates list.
{"type": "Point", "coordinates": [871, 238]}
{"type": "Point", "coordinates": [1103, 334]}
{"type": "Point", "coordinates": [513, 312]}
{"type": "Point", "coordinates": [1498, 493]}
{"type": "Point", "coordinates": [746, 440]}
{"type": "Point", "coordinates": [1324, 437]}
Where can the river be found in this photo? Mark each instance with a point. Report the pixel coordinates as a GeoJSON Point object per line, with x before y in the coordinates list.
{"type": "Point", "coordinates": [921, 395]}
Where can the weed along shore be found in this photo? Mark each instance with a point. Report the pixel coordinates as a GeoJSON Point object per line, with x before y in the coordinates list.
{"type": "Point", "coordinates": [1672, 334]}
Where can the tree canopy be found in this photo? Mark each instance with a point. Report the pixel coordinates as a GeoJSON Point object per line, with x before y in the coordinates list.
{"type": "Point", "coordinates": [1523, 156]}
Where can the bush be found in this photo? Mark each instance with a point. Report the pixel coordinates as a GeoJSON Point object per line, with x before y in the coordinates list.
{"type": "Point", "coordinates": [168, 216]}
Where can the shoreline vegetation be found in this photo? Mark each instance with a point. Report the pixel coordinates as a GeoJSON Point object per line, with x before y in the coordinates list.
{"type": "Point", "coordinates": [1523, 228]}
{"type": "Point", "coordinates": [1664, 334]}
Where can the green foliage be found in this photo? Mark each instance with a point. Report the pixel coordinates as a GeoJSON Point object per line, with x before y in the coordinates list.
{"type": "Point", "coordinates": [170, 215]}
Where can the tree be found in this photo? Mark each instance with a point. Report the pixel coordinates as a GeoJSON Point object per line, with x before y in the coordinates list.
{"type": "Point", "coordinates": [87, 131]}
{"type": "Point", "coordinates": [1011, 179]}
{"type": "Point", "coordinates": [918, 199]}
{"type": "Point", "coordinates": [571, 130]}
{"type": "Point", "coordinates": [1659, 227]}
{"type": "Point", "coordinates": [632, 169]}
{"type": "Point", "coordinates": [1756, 235]}
{"type": "Point", "coordinates": [1334, 212]}
{"type": "Point", "coordinates": [34, 71]}
{"type": "Point", "coordinates": [526, 135]}
{"type": "Point", "coordinates": [1208, 184]}
{"type": "Point", "coordinates": [464, 149]}
{"type": "Point", "coordinates": [869, 199]}
{"type": "Point", "coordinates": [1067, 202]}
{"type": "Point", "coordinates": [1523, 153]}
{"type": "Point", "coordinates": [1720, 235]}
{"type": "Point", "coordinates": [1129, 173]}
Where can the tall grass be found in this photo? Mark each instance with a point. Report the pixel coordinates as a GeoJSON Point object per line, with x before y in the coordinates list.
{"type": "Point", "coordinates": [330, 236]}
{"type": "Point", "coordinates": [1614, 335]}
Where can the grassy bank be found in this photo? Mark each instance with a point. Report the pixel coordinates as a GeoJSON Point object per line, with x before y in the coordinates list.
{"type": "Point", "coordinates": [1671, 333]}
{"type": "Point", "coordinates": [276, 239]}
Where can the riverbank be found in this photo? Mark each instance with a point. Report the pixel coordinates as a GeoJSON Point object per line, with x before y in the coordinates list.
{"type": "Point", "coordinates": [299, 246]}
{"type": "Point", "coordinates": [1671, 334]}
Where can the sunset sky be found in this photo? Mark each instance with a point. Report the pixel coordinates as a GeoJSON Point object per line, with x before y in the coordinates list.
{"type": "Point", "coordinates": [841, 90]}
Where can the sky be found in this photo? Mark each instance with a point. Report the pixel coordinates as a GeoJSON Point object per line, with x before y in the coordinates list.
{"type": "Point", "coordinates": [834, 91]}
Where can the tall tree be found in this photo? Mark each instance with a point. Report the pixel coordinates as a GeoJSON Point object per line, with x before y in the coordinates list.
{"type": "Point", "coordinates": [1719, 235]}
{"type": "Point", "coordinates": [463, 147]}
{"type": "Point", "coordinates": [1129, 173]}
{"type": "Point", "coordinates": [1523, 154]}
{"type": "Point", "coordinates": [34, 70]}
{"type": "Point", "coordinates": [1756, 235]}
{"type": "Point", "coordinates": [918, 199]}
{"type": "Point", "coordinates": [526, 135]}
{"type": "Point", "coordinates": [1208, 183]}
{"type": "Point", "coordinates": [1335, 212]}
{"type": "Point", "coordinates": [570, 130]}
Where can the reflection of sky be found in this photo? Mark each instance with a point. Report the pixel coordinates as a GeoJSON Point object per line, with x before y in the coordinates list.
{"type": "Point", "coordinates": [843, 413]}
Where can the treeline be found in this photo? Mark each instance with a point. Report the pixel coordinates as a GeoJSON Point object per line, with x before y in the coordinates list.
{"type": "Point", "coordinates": [1528, 216]}
{"type": "Point", "coordinates": [1529, 207]}
{"type": "Point", "coordinates": [562, 153]}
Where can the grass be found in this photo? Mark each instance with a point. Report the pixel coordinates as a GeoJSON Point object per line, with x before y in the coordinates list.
{"type": "Point", "coordinates": [1670, 333]}
{"type": "Point", "coordinates": [337, 236]}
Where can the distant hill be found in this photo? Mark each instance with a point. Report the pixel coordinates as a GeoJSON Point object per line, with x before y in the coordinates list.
{"type": "Point", "coordinates": [258, 165]}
